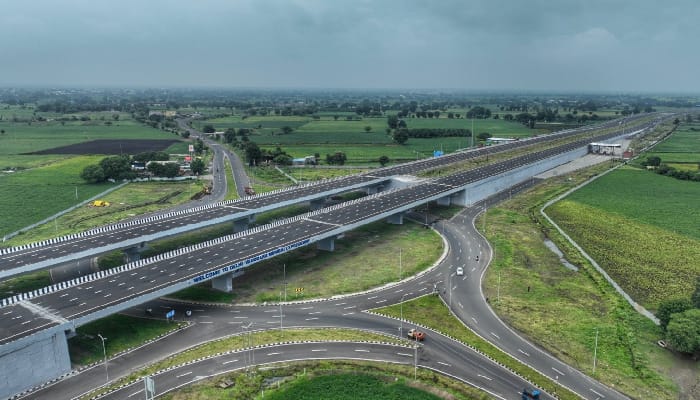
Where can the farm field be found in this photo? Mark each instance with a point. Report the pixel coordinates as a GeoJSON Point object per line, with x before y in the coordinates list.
{"type": "Point", "coordinates": [29, 196]}
{"type": "Point", "coordinates": [562, 309]}
{"type": "Point", "coordinates": [682, 147]}
{"type": "Point", "coordinates": [642, 228]}
{"type": "Point", "coordinates": [21, 138]}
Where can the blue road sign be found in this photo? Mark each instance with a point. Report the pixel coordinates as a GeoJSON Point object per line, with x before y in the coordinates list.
{"type": "Point", "coordinates": [170, 314]}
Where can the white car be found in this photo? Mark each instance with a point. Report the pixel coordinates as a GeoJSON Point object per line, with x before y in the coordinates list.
{"type": "Point", "coordinates": [460, 271]}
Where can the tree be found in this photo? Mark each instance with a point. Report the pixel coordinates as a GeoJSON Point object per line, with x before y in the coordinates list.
{"type": "Point", "coordinates": [198, 146]}
{"type": "Point", "coordinates": [287, 129]}
{"type": "Point", "coordinates": [683, 331]}
{"type": "Point", "coordinates": [653, 161]}
{"type": "Point", "coordinates": [483, 136]}
{"type": "Point", "coordinates": [230, 135]}
{"type": "Point", "coordinates": [368, 128]}
{"type": "Point", "coordinates": [252, 153]}
{"type": "Point", "coordinates": [336, 159]}
{"type": "Point", "coordinates": [117, 167]}
{"type": "Point", "coordinates": [400, 135]}
{"type": "Point", "coordinates": [282, 159]}
{"type": "Point", "coordinates": [197, 166]}
{"type": "Point", "coordinates": [93, 174]}
{"type": "Point", "coordinates": [669, 307]}
{"type": "Point", "coordinates": [2, 131]}
{"type": "Point", "coordinates": [208, 129]}
{"type": "Point", "coordinates": [383, 160]}
{"type": "Point", "coordinates": [392, 121]}
{"type": "Point", "coordinates": [695, 298]}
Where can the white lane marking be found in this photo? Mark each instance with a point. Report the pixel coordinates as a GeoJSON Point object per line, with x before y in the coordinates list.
{"type": "Point", "coordinates": [206, 322]}
{"type": "Point", "coordinates": [235, 322]}
{"type": "Point", "coordinates": [558, 372]}
{"type": "Point", "coordinates": [318, 349]}
{"type": "Point", "coordinates": [422, 289]}
{"type": "Point", "coordinates": [362, 351]}
{"type": "Point", "coordinates": [306, 308]}
{"type": "Point", "coordinates": [495, 335]}
{"type": "Point", "coordinates": [185, 374]}
{"type": "Point", "coordinates": [405, 354]}
{"type": "Point", "coordinates": [234, 311]}
{"type": "Point", "coordinates": [445, 364]}
{"type": "Point", "coordinates": [473, 269]}
{"type": "Point", "coordinates": [460, 304]}
{"type": "Point", "coordinates": [483, 376]}
{"type": "Point", "coordinates": [341, 304]}
{"type": "Point", "coordinates": [372, 297]}
{"type": "Point", "coordinates": [465, 278]}
{"type": "Point", "coordinates": [348, 307]}
{"type": "Point", "coordinates": [270, 311]}
{"type": "Point", "coordinates": [311, 319]}
{"type": "Point", "coordinates": [349, 313]}
{"type": "Point", "coordinates": [422, 282]}
{"type": "Point", "coordinates": [229, 362]}
{"type": "Point", "coordinates": [381, 301]}
{"type": "Point", "coordinates": [399, 291]}
{"type": "Point", "coordinates": [597, 394]}
{"type": "Point", "coordinates": [135, 393]}
{"type": "Point", "coordinates": [474, 319]}
{"type": "Point", "coordinates": [315, 312]}
{"type": "Point", "coordinates": [273, 354]}
{"type": "Point", "coordinates": [454, 287]}
{"type": "Point", "coordinates": [523, 352]}
{"type": "Point", "coordinates": [240, 317]}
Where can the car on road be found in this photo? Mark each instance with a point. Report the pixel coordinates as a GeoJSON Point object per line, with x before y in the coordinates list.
{"type": "Point", "coordinates": [415, 334]}
{"type": "Point", "coordinates": [460, 271]}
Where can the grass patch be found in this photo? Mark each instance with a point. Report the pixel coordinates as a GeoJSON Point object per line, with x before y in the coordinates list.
{"type": "Point", "coordinates": [367, 257]}
{"type": "Point", "coordinates": [31, 195]}
{"type": "Point", "coordinates": [122, 332]}
{"type": "Point", "coordinates": [231, 189]}
{"type": "Point", "coordinates": [335, 387]}
{"type": "Point", "coordinates": [128, 201]}
{"type": "Point", "coordinates": [563, 309]}
{"type": "Point", "coordinates": [431, 312]}
{"type": "Point", "coordinates": [24, 283]}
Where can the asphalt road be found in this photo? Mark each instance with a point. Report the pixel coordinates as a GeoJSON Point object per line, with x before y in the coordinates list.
{"type": "Point", "coordinates": [102, 239]}
{"type": "Point", "coordinates": [437, 352]}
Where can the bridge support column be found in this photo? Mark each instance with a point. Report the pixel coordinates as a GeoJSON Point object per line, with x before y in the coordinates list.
{"type": "Point", "coordinates": [240, 225]}
{"type": "Point", "coordinates": [224, 283]}
{"type": "Point", "coordinates": [443, 201]}
{"type": "Point", "coordinates": [327, 244]}
{"type": "Point", "coordinates": [396, 219]}
{"type": "Point", "coordinates": [461, 198]}
{"type": "Point", "coordinates": [317, 204]}
{"type": "Point", "coordinates": [132, 254]}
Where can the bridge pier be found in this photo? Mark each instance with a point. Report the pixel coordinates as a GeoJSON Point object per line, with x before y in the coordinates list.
{"type": "Point", "coordinates": [224, 283]}
{"type": "Point", "coordinates": [240, 225]}
{"type": "Point", "coordinates": [317, 204]}
{"type": "Point", "coordinates": [443, 201]}
{"type": "Point", "coordinates": [327, 244]}
{"type": "Point", "coordinates": [461, 198]}
{"type": "Point", "coordinates": [396, 219]}
{"type": "Point", "coordinates": [133, 253]}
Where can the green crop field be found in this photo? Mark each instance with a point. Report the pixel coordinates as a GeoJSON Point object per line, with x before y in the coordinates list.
{"type": "Point", "coordinates": [682, 147]}
{"type": "Point", "coordinates": [642, 228]}
{"type": "Point", "coordinates": [335, 387]}
{"type": "Point", "coordinates": [32, 195]}
{"type": "Point", "coordinates": [22, 138]}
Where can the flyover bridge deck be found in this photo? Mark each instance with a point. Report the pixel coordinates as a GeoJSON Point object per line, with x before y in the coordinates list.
{"type": "Point", "coordinates": [201, 262]}
{"type": "Point", "coordinates": [48, 253]}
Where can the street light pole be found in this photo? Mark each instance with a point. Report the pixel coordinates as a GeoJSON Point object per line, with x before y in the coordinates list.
{"type": "Point", "coordinates": [280, 311]}
{"type": "Point", "coordinates": [284, 272]}
{"type": "Point", "coordinates": [401, 312]}
{"type": "Point", "coordinates": [400, 265]}
{"type": "Point", "coordinates": [104, 353]}
{"type": "Point", "coordinates": [595, 349]}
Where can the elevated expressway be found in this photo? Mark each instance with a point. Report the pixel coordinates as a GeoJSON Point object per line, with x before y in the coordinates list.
{"type": "Point", "coordinates": [133, 236]}
{"type": "Point", "coordinates": [33, 326]}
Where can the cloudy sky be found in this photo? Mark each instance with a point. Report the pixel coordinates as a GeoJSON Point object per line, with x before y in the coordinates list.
{"type": "Point", "coordinates": [560, 45]}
